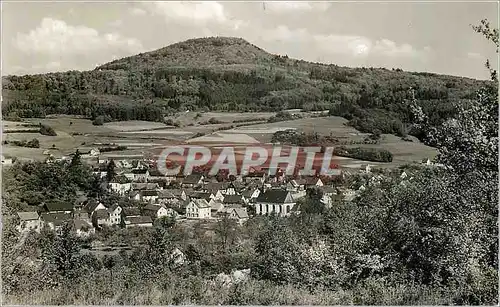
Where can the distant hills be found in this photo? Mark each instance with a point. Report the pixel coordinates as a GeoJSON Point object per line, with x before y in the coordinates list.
{"type": "Point", "coordinates": [231, 74]}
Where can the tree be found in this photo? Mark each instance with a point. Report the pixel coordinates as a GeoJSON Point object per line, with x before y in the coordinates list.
{"type": "Point", "coordinates": [110, 170]}
{"type": "Point", "coordinates": [225, 231]}
{"type": "Point", "coordinates": [98, 121]}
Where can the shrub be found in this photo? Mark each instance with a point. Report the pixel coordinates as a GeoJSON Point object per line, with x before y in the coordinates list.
{"type": "Point", "coordinates": [47, 130]}
{"type": "Point", "coordinates": [98, 121]}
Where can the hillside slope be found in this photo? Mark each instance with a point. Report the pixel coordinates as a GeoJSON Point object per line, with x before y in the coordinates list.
{"type": "Point", "coordinates": [224, 74]}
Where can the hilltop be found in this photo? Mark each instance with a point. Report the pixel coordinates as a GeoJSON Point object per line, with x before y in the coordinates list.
{"type": "Point", "coordinates": [231, 74]}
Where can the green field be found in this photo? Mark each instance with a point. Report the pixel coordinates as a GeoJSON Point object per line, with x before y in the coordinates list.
{"type": "Point", "coordinates": [142, 137]}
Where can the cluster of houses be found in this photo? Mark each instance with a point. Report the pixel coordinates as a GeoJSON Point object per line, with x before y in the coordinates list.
{"type": "Point", "coordinates": [153, 195]}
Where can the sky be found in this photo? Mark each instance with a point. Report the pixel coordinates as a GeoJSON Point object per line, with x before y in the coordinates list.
{"type": "Point", "coordinates": [40, 37]}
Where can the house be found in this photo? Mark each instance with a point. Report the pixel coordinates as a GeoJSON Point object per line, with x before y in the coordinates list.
{"type": "Point", "coordinates": [83, 228]}
{"type": "Point", "coordinates": [58, 206]}
{"type": "Point", "coordinates": [140, 186]}
{"type": "Point", "coordinates": [7, 161]}
{"type": "Point", "coordinates": [328, 193]}
{"type": "Point", "coordinates": [234, 188]}
{"type": "Point", "coordinates": [280, 202]}
{"type": "Point", "coordinates": [258, 177]}
{"type": "Point", "coordinates": [293, 186]}
{"type": "Point", "coordinates": [115, 214]}
{"type": "Point", "coordinates": [157, 211]}
{"type": "Point", "coordinates": [55, 220]}
{"type": "Point", "coordinates": [233, 200]}
{"type": "Point", "coordinates": [138, 221]}
{"type": "Point", "coordinates": [120, 185]}
{"type": "Point", "coordinates": [150, 196]}
{"type": "Point", "coordinates": [201, 195]}
{"type": "Point", "coordinates": [403, 175]}
{"type": "Point", "coordinates": [251, 194]}
{"type": "Point", "coordinates": [216, 207]}
{"type": "Point", "coordinates": [216, 188]}
{"type": "Point", "coordinates": [349, 194]}
{"type": "Point", "coordinates": [198, 209]}
{"type": "Point", "coordinates": [192, 180]}
{"type": "Point", "coordinates": [100, 218]}
{"type": "Point", "coordinates": [156, 175]}
{"type": "Point", "coordinates": [240, 214]}
{"type": "Point", "coordinates": [131, 211]}
{"type": "Point", "coordinates": [313, 182]}
{"type": "Point", "coordinates": [89, 153]}
{"type": "Point", "coordinates": [101, 170]}
{"type": "Point", "coordinates": [29, 221]}
{"type": "Point", "coordinates": [140, 175]}
{"type": "Point", "coordinates": [92, 205]}
{"type": "Point", "coordinates": [81, 214]}
{"type": "Point", "coordinates": [366, 168]}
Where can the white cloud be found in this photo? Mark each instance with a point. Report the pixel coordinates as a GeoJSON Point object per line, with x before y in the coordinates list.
{"type": "Point", "coordinates": [474, 55]}
{"type": "Point", "coordinates": [341, 44]}
{"type": "Point", "coordinates": [137, 11]}
{"type": "Point", "coordinates": [198, 12]}
{"type": "Point", "coordinates": [291, 6]}
{"type": "Point", "coordinates": [56, 38]}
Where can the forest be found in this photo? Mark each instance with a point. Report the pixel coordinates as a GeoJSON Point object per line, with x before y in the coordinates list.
{"type": "Point", "coordinates": [230, 74]}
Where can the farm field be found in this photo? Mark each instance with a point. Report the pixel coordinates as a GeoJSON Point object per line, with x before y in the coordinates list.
{"type": "Point", "coordinates": [142, 137]}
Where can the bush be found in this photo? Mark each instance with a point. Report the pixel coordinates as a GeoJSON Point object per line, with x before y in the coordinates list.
{"type": "Point", "coordinates": [47, 130]}
{"type": "Point", "coordinates": [366, 154]}
{"type": "Point", "coordinates": [98, 121]}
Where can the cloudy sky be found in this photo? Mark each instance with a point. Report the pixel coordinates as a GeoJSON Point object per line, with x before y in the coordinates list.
{"type": "Point", "coordinates": [435, 37]}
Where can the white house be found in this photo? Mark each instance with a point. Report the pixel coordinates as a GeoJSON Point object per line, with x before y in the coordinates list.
{"type": "Point", "coordinates": [29, 221]}
{"type": "Point", "coordinates": [150, 196]}
{"type": "Point", "coordinates": [115, 214]}
{"type": "Point", "coordinates": [121, 185]}
{"type": "Point", "coordinates": [138, 221]}
{"type": "Point", "coordinates": [280, 202]}
{"type": "Point", "coordinates": [198, 209]}
{"type": "Point", "coordinates": [192, 180]}
{"type": "Point", "coordinates": [140, 175]}
{"type": "Point", "coordinates": [157, 211]}
{"type": "Point", "coordinates": [239, 214]}
{"type": "Point", "coordinates": [6, 161]}
{"type": "Point", "coordinates": [83, 228]}
{"type": "Point", "coordinates": [100, 218]}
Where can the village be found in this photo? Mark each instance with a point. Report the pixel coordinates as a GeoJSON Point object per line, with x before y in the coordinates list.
{"type": "Point", "coordinates": [186, 198]}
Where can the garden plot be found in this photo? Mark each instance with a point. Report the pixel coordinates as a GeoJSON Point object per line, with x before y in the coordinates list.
{"type": "Point", "coordinates": [134, 125]}
{"type": "Point", "coordinates": [225, 138]}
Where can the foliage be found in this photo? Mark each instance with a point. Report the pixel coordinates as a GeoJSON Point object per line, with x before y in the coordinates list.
{"type": "Point", "coordinates": [366, 154]}
{"type": "Point", "coordinates": [47, 130]}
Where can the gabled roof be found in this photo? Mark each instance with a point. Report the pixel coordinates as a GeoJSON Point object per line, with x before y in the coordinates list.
{"type": "Point", "coordinates": [58, 206]}
{"type": "Point", "coordinates": [91, 205]}
{"type": "Point", "coordinates": [139, 171]}
{"type": "Point", "coordinates": [28, 216]}
{"type": "Point", "coordinates": [273, 196]}
{"type": "Point", "coordinates": [101, 214]}
{"type": "Point", "coordinates": [149, 193]}
{"type": "Point", "coordinates": [192, 179]}
{"type": "Point", "coordinates": [200, 203]}
{"type": "Point", "coordinates": [79, 224]}
{"type": "Point", "coordinates": [200, 195]}
{"type": "Point", "coordinates": [241, 212]}
{"type": "Point", "coordinates": [155, 173]}
{"type": "Point", "coordinates": [154, 208]}
{"type": "Point", "coordinates": [134, 220]}
{"type": "Point", "coordinates": [144, 186]}
{"type": "Point", "coordinates": [56, 218]}
{"type": "Point", "coordinates": [214, 186]}
{"type": "Point", "coordinates": [233, 199]}
{"type": "Point", "coordinates": [120, 179]}
{"type": "Point", "coordinates": [131, 211]}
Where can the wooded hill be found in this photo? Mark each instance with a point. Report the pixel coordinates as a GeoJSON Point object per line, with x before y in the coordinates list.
{"type": "Point", "coordinates": [230, 74]}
